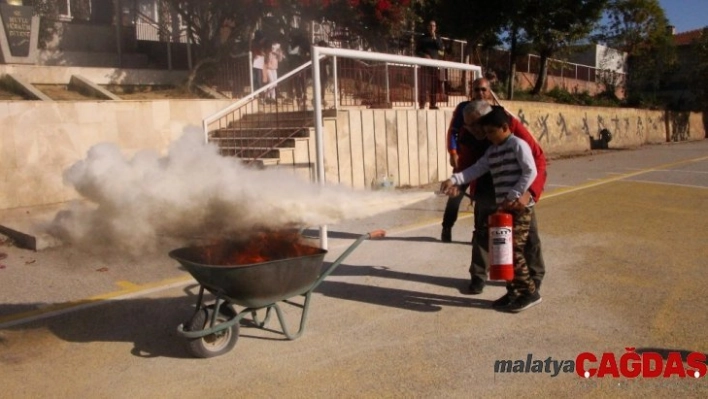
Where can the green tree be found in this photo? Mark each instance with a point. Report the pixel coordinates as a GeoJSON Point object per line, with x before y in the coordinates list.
{"type": "Point", "coordinates": [482, 24]}
{"type": "Point", "coordinates": [551, 25]}
{"type": "Point", "coordinates": [372, 20]}
{"type": "Point", "coordinates": [475, 21]}
{"type": "Point", "coordinates": [213, 26]}
{"type": "Point", "coordinates": [640, 28]}
{"type": "Point", "coordinates": [700, 71]}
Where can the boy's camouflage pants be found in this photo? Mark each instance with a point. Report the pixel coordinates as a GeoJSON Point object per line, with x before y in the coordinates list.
{"type": "Point", "coordinates": [522, 282]}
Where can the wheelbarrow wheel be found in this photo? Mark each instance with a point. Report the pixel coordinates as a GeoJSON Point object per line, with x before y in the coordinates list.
{"type": "Point", "coordinates": [213, 344]}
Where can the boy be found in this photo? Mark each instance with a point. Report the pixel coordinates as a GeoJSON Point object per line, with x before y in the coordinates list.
{"type": "Point", "coordinates": [511, 164]}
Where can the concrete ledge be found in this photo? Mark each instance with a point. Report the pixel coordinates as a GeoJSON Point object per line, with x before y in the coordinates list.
{"type": "Point", "coordinates": [22, 225]}
{"type": "Point", "coordinates": [211, 93]}
{"type": "Point", "coordinates": [19, 85]}
{"type": "Point", "coordinates": [87, 87]}
{"type": "Point", "coordinates": [40, 74]}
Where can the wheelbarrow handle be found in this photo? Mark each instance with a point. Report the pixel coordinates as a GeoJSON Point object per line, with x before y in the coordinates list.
{"type": "Point", "coordinates": [377, 234]}
{"type": "Point", "coordinates": [340, 259]}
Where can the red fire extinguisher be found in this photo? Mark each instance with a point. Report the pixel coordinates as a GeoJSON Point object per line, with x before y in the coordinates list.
{"type": "Point", "coordinates": [501, 249]}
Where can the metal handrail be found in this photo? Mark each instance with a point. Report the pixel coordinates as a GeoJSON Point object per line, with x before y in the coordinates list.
{"type": "Point", "coordinates": [248, 98]}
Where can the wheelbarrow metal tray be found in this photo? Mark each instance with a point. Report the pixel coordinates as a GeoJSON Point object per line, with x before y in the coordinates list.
{"type": "Point", "coordinates": [254, 285]}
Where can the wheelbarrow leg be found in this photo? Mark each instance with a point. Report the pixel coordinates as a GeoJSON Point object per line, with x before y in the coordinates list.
{"type": "Point", "coordinates": [281, 318]}
{"type": "Point", "coordinates": [254, 317]}
{"type": "Point", "coordinates": [306, 305]}
{"type": "Point", "coordinates": [303, 318]}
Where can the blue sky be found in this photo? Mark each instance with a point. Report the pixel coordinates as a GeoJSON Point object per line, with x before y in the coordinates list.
{"type": "Point", "coordinates": [686, 15]}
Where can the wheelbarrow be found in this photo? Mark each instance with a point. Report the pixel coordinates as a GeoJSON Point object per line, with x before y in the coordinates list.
{"type": "Point", "coordinates": [213, 329]}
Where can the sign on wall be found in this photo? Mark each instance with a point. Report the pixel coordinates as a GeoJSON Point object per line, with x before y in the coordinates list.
{"type": "Point", "coordinates": [19, 34]}
{"type": "Point", "coordinates": [17, 22]}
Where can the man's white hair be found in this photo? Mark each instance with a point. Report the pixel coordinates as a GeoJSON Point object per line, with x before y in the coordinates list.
{"type": "Point", "coordinates": [475, 110]}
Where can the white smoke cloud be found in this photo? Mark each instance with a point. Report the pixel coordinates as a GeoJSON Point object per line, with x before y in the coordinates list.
{"type": "Point", "coordinates": [192, 193]}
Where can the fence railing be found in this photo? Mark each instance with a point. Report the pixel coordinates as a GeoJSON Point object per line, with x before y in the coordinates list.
{"type": "Point", "coordinates": [147, 28]}
{"type": "Point", "coordinates": [352, 82]}
{"type": "Point", "coordinates": [498, 61]}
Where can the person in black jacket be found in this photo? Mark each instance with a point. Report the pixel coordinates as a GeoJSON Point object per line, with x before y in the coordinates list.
{"type": "Point", "coordinates": [428, 46]}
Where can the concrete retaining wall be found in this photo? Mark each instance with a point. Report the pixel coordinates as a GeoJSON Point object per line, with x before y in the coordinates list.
{"type": "Point", "coordinates": [39, 140]}
{"type": "Point", "coordinates": [363, 146]}
{"type": "Point", "coordinates": [37, 74]}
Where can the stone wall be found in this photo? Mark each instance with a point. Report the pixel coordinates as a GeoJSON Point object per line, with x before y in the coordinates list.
{"type": "Point", "coordinates": [39, 140]}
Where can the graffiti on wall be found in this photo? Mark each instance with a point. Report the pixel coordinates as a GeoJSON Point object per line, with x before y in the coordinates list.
{"type": "Point", "coordinates": [522, 118]}
{"type": "Point", "coordinates": [560, 122]}
{"type": "Point", "coordinates": [586, 127]}
{"type": "Point", "coordinates": [542, 124]}
{"type": "Point", "coordinates": [679, 126]}
{"type": "Point", "coordinates": [619, 125]}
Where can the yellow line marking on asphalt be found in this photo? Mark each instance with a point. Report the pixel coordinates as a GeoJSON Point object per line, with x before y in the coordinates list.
{"type": "Point", "coordinates": [684, 171]}
{"type": "Point", "coordinates": [126, 285]}
{"type": "Point", "coordinates": [132, 290]}
{"type": "Point", "coordinates": [670, 184]}
{"type": "Point", "coordinates": [601, 181]}
{"type": "Point", "coordinates": [554, 193]}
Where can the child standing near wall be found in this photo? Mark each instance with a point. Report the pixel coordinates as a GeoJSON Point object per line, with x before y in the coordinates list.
{"type": "Point", "coordinates": [510, 162]}
{"type": "Point", "coordinates": [273, 56]}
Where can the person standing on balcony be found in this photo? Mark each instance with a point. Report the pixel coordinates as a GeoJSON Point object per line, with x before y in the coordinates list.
{"type": "Point", "coordinates": [272, 57]}
{"type": "Point", "coordinates": [325, 72]}
{"type": "Point", "coordinates": [258, 59]}
{"type": "Point", "coordinates": [298, 54]}
{"type": "Point", "coordinates": [429, 46]}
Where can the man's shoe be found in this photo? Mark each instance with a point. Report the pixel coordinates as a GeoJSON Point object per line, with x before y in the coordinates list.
{"type": "Point", "coordinates": [504, 301]}
{"type": "Point", "coordinates": [524, 302]}
{"type": "Point", "coordinates": [446, 235]}
{"type": "Point", "coordinates": [476, 286]}
{"type": "Point", "coordinates": [434, 107]}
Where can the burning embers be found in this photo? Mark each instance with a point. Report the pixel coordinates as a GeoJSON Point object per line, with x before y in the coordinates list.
{"type": "Point", "coordinates": [258, 248]}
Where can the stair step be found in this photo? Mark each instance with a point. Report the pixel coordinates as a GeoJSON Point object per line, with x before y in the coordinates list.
{"type": "Point", "coordinates": [260, 162]}
{"type": "Point", "coordinates": [288, 116]}
{"type": "Point", "coordinates": [254, 141]}
{"type": "Point", "coordinates": [252, 152]}
{"type": "Point", "coordinates": [259, 132]}
{"type": "Point", "coordinates": [271, 122]}
{"type": "Point", "coordinates": [295, 115]}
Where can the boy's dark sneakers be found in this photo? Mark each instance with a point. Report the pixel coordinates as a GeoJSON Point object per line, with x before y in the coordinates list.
{"type": "Point", "coordinates": [446, 235]}
{"type": "Point", "coordinates": [476, 286]}
{"type": "Point", "coordinates": [524, 302]}
{"type": "Point", "coordinates": [505, 301]}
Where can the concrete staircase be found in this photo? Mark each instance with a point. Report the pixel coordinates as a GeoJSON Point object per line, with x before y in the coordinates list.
{"type": "Point", "coordinates": [285, 140]}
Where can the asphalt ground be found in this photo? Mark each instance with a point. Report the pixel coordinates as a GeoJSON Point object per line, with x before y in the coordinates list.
{"type": "Point", "coordinates": [623, 237]}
